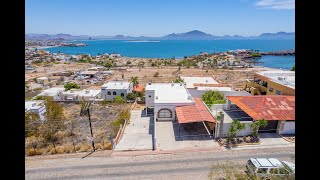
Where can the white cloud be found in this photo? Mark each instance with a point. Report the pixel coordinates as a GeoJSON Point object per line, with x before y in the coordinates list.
{"type": "Point", "coordinates": [276, 4]}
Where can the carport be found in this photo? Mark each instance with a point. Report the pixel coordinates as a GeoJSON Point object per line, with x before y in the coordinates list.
{"type": "Point", "coordinates": [278, 110]}
{"type": "Point", "coordinates": [193, 115]}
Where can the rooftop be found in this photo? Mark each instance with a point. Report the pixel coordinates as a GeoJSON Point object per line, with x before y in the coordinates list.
{"type": "Point", "coordinates": [116, 85]}
{"type": "Point", "coordinates": [90, 72]}
{"type": "Point", "coordinates": [85, 92]}
{"type": "Point", "coordinates": [139, 88]}
{"type": "Point", "coordinates": [51, 91]}
{"type": "Point", "coordinates": [268, 107]}
{"type": "Point", "coordinates": [266, 162]}
{"type": "Point", "coordinates": [215, 88]}
{"type": "Point", "coordinates": [170, 93]}
{"type": "Point", "coordinates": [190, 81]}
{"type": "Point", "coordinates": [36, 104]}
{"type": "Point", "coordinates": [197, 112]}
{"type": "Point", "coordinates": [283, 77]}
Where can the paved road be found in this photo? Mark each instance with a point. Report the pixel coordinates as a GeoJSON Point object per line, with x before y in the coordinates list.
{"type": "Point", "coordinates": [165, 166]}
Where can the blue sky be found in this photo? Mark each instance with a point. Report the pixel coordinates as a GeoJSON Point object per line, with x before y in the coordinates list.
{"type": "Point", "coordinates": [159, 17]}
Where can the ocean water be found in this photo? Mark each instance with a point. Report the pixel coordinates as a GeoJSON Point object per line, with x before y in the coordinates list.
{"type": "Point", "coordinates": [181, 48]}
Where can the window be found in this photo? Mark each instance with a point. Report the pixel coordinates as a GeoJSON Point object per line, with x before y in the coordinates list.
{"type": "Point", "coordinates": [109, 93]}
{"type": "Point", "coordinates": [122, 95]}
{"type": "Point", "coordinates": [273, 171]}
{"type": "Point", "coordinates": [164, 113]}
{"type": "Point", "coordinates": [114, 93]}
{"type": "Point", "coordinates": [262, 170]}
{"type": "Point", "coordinates": [278, 92]}
{"type": "Point", "coordinates": [271, 89]}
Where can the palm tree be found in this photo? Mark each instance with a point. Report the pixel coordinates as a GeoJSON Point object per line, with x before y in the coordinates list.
{"type": "Point", "coordinates": [134, 81]}
{"type": "Point", "coordinates": [256, 125]}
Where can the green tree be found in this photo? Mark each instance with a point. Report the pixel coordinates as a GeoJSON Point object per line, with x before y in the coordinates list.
{"type": "Point", "coordinates": [256, 125]}
{"type": "Point", "coordinates": [119, 100]}
{"type": "Point", "coordinates": [69, 86]}
{"type": "Point", "coordinates": [213, 97]}
{"type": "Point", "coordinates": [235, 127]}
{"type": "Point", "coordinates": [108, 65]}
{"type": "Point", "coordinates": [178, 80]}
{"type": "Point", "coordinates": [131, 96]}
{"type": "Point", "coordinates": [293, 68]}
{"type": "Point", "coordinates": [134, 81]}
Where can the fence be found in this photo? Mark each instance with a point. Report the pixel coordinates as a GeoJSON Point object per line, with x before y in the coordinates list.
{"type": "Point", "coordinates": [119, 134]}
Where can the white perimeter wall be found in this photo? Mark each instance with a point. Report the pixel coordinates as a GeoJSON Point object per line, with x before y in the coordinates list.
{"type": "Point", "coordinates": [286, 127]}
{"type": "Point", "coordinates": [246, 132]}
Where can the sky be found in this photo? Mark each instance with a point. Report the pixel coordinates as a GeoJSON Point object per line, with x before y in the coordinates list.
{"type": "Point", "coordinates": [159, 17]}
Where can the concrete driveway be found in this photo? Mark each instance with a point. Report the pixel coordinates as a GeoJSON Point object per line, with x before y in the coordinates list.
{"type": "Point", "coordinates": [138, 134]}
{"type": "Point", "coordinates": [272, 139]}
{"type": "Point", "coordinates": [167, 138]}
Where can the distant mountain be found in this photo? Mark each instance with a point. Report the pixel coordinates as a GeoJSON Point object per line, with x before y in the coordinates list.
{"type": "Point", "coordinates": [278, 35]}
{"type": "Point", "coordinates": [191, 35]}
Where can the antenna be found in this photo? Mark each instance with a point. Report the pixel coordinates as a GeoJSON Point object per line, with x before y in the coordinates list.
{"type": "Point", "coordinates": [86, 111]}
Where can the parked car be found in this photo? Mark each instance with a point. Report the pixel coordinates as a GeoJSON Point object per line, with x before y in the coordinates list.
{"type": "Point", "coordinates": [266, 167]}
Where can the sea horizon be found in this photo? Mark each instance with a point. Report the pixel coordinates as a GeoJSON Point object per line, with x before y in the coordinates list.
{"type": "Point", "coordinates": [178, 49]}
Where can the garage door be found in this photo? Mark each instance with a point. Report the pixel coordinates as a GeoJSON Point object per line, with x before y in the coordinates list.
{"type": "Point", "coordinates": [271, 127]}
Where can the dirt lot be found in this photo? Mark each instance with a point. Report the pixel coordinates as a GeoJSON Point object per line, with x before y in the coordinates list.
{"type": "Point", "coordinates": [46, 71]}
{"type": "Point", "coordinates": [236, 77]}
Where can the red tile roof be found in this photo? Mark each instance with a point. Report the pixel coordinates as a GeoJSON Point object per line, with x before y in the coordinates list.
{"type": "Point", "coordinates": [268, 107]}
{"type": "Point", "coordinates": [138, 88]}
{"type": "Point", "coordinates": [194, 113]}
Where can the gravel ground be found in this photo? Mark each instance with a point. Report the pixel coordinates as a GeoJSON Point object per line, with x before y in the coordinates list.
{"type": "Point", "coordinates": [101, 165]}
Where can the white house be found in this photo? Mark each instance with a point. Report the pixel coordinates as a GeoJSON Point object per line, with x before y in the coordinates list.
{"type": "Point", "coordinates": [42, 80]}
{"type": "Point", "coordinates": [116, 88]}
{"type": "Point", "coordinates": [78, 95]}
{"type": "Point", "coordinates": [194, 82]}
{"type": "Point", "coordinates": [90, 73]}
{"type": "Point", "coordinates": [163, 98]}
{"type": "Point", "coordinates": [37, 107]}
{"type": "Point", "coordinates": [54, 92]}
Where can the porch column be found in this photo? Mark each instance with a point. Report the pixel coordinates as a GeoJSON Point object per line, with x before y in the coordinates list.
{"type": "Point", "coordinates": [228, 104]}
{"type": "Point", "coordinates": [146, 111]}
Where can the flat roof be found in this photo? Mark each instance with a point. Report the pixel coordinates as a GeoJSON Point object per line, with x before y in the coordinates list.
{"type": "Point", "coordinates": [197, 112]}
{"type": "Point", "coordinates": [268, 107]}
{"type": "Point", "coordinates": [34, 104]}
{"type": "Point", "coordinates": [116, 85]}
{"type": "Point", "coordinates": [88, 92]}
{"type": "Point", "coordinates": [90, 72]}
{"type": "Point", "coordinates": [286, 78]}
{"type": "Point", "coordinates": [190, 81]}
{"type": "Point", "coordinates": [51, 91]}
{"type": "Point", "coordinates": [215, 88]}
{"type": "Point", "coordinates": [170, 93]}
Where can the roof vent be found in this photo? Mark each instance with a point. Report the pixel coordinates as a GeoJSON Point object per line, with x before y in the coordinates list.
{"type": "Point", "coordinates": [156, 97]}
{"type": "Point", "coordinates": [189, 97]}
{"type": "Point", "coordinates": [87, 91]}
{"type": "Point", "coordinates": [172, 84]}
{"type": "Point", "coordinates": [34, 104]}
{"type": "Point", "coordinates": [149, 83]}
{"type": "Point", "coordinates": [180, 84]}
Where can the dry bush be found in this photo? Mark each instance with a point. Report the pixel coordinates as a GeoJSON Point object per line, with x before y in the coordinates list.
{"type": "Point", "coordinates": [31, 152]}
{"type": "Point", "coordinates": [84, 147]}
{"type": "Point", "coordinates": [228, 171]}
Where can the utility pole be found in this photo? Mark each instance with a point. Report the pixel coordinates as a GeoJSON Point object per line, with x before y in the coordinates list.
{"type": "Point", "coordinates": [91, 130]}
{"type": "Point", "coordinates": [86, 111]}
